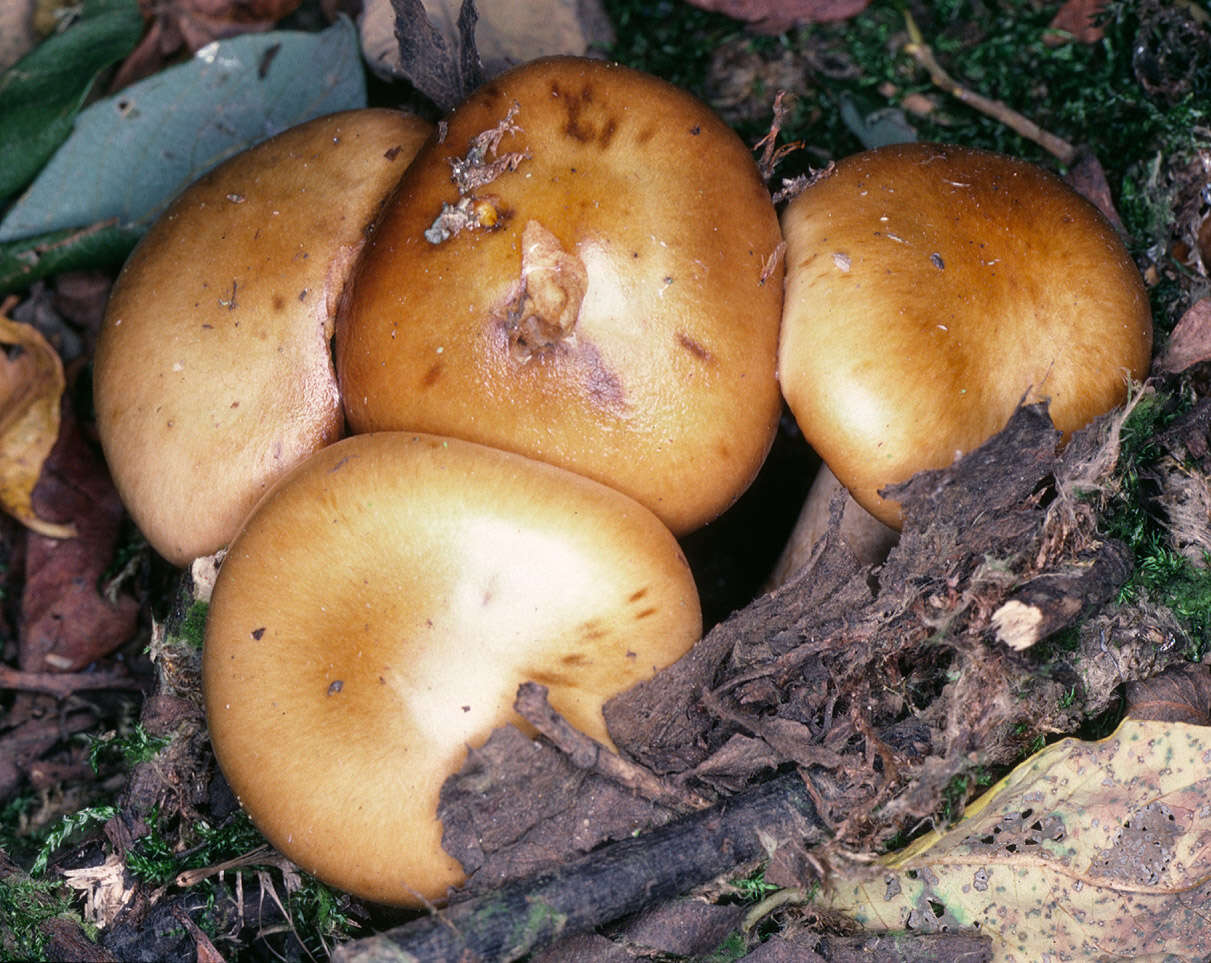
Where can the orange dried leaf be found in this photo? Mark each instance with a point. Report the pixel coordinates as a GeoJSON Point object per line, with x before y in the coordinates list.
{"type": "Point", "coordinates": [31, 387]}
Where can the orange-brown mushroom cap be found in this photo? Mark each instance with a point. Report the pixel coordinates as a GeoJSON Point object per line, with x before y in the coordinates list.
{"type": "Point", "coordinates": [378, 611]}
{"type": "Point", "coordinates": [930, 289]}
{"type": "Point", "coordinates": [583, 270]}
{"type": "Point", "coordinates": [213, 370]}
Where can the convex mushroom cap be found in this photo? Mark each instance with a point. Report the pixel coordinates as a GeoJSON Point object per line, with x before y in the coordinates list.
{"type": "Point", "coordinates": [582, 269]}
{"type": "Point", "coordinates": [213, 369]}
{"type": "Point", "coordinates": [931, 289]}
{"type": "Point", "coordinates": [375, 617]}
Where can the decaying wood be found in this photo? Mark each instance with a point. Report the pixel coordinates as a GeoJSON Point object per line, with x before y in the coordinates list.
{"type": "Point", "coordinates": [1053, 600]}
{"type": "Point", "coordinates": [533, 706]}
{"type": "Point", "coordinates": [617, 879]}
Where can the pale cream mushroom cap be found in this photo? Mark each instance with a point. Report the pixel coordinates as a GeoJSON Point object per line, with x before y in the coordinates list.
{"type": "Point", "coordinates": [375, 617]}
{"type": "Point", "coordinates": [612, 305]}
{"type": "Point", "coordinates": [213, 370]}
{"type": "Point", "coordinates": [932, 288]}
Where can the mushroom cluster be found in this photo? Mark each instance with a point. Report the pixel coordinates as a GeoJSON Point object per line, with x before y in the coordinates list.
{"type": "Point", "coordinates": [556, 328]}
{"type": "Point", "coordinates": [552, 327]}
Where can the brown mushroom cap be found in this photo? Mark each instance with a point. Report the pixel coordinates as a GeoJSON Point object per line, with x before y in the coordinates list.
{"type": "Point", "coordinates": [213, 369]}
{"type": "Point", "coordinates": [932, 288]}
{"type": "Point", "coordinates": [375, 617]}
{"type": "Point", "coordinates": [611, 305]}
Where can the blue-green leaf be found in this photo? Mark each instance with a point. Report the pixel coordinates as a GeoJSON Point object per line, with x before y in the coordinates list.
{"type": "Point", "coordinates": [130, 154]}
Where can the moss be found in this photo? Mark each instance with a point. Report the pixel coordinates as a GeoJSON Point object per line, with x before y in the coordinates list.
{"type": "Point", "coordinates": [25, 904]}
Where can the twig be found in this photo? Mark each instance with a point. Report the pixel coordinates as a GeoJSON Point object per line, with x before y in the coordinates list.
{"type": "Point", "coordinates": [606, 884]}
{"type": "Point", "coordinates": [63, 684]}
{"type": "Point", "coordinates": [771, 153]}
{"type": "Point", "coordinates": [585, 753]}
{"type": "Point", "coordinates": [921, 52]}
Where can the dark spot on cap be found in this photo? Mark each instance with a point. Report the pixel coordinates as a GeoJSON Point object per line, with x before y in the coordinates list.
{"type": "Point", "coordinates": [695, 130]}
{"type": "Point", "coordinates": [335, 687]}
{"type": "Point", "coordinates": [645, 613]}
{"type": "Point", "coordinates": [637, 595]}
{"type": "Point", "coordinates": [694, 348]}
{"type": "Point", "coordinates": [257, 633]}
{"type": "Point", "coordinates": [574, 659]}
{"type": "Point", "coordinates": [279, 302]}
{"type": "Point", "coordinates": [431, 376]}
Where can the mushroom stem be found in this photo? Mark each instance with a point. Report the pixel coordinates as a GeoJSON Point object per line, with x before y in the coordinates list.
{"type": "Point", "coordinates": [867, 537]}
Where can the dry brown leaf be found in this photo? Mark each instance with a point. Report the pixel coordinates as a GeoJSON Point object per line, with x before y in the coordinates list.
{"type": "Point", "coordinates": [508, 32]}
{"type": "Point", "coordinates": [31, 386]}
{"type": "Point", "coordinates": [1087, 850]}
{"type": "Point", "coordinates": [1077, 20]}
{"type": "Point", "coordinates": [1190, 342]}
{"type": "Point", "coordinates": [775, 16]}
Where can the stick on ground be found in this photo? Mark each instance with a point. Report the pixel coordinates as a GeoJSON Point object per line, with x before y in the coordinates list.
{"type": "Point", "coordinates": [604, 885]}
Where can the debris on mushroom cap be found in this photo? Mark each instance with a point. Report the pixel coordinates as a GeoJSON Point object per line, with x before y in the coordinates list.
{"type": "Point", "coordinates": [931, 289]}
{"type": "Point", "coordinates": [375, 617]}
{"type": "Point", "coordinates": [581, 270]}
{"type": "Point", "coordinates": [213, 369]}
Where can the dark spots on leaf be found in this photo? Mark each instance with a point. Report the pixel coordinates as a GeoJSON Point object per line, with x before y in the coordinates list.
{"type": "Point", "coordinates": [267, 59]}
{"type": "Point", "coordinates": [258, 633]}
{"type": "Point", "coordinates": [694, 348]}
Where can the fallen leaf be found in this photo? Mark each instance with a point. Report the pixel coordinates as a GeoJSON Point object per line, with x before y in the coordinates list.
{"type": "Point", "coordinates": [775, 16]}
{"type": "Point", "coordinates": [42, 94]}
{"type": "Point", "coordinates": [1076, 20]}
{"type": "Point", "coordinates": [66, 622]}
{"type": "Point", "coordinates": [1087, 850]}
{"type": "Point", "coordinates": [17, 35]}
{"type": "Point", "coordinates": [31, 386]}
{"type": "Point", "coordinates": [1190, 342]}
{"type": "Point", "coordinates": [508, 32]}
{"type": "Point", "coordinates": [130, 154]}
{"type": "Point", "coordinates": [191, 25]}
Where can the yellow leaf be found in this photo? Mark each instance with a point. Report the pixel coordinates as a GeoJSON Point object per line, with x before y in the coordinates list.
{"type": "Point", "coordinates": [1086, 851]}
{"type": "Point", "coordinates": [31, 386]}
